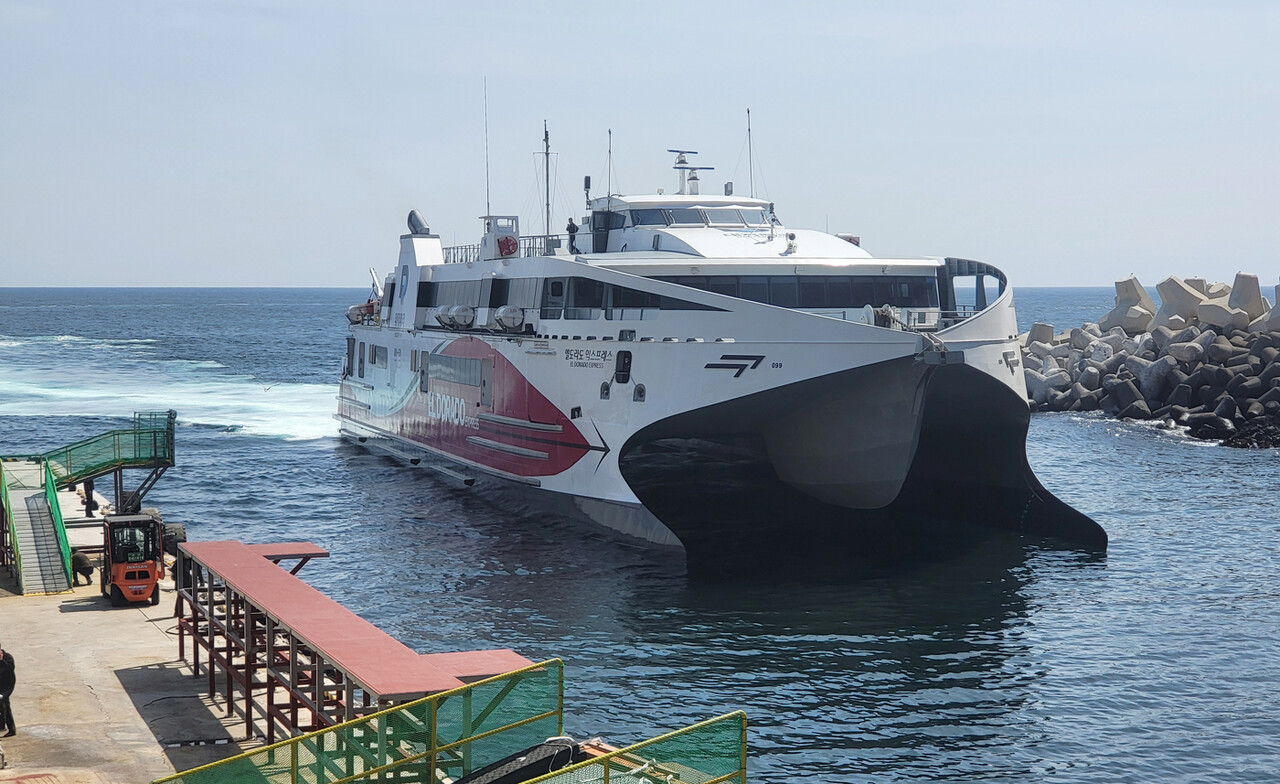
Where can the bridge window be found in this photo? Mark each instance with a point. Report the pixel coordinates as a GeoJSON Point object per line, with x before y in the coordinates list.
{"type": "Point", "coordinates": [755, 217]}
{"type": "Point", "coordinates": [686, 217]}
{"type": "Point", "coordinates": [648, 218]}
{"type": "Point", "coordinates": [724, 217]}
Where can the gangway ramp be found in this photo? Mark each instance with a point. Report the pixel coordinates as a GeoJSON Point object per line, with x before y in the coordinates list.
{"type": "Point", "coordinates": [35, 541]}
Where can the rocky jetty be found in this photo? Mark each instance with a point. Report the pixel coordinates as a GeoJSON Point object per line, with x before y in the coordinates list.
{"type": "Point", "coordinates": [1205, 359]}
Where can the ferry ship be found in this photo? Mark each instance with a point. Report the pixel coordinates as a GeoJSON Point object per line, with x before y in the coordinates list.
{"type": "Point", "coordinates": [689, 371]}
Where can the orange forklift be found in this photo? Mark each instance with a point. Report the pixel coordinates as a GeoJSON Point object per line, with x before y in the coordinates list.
{"type": "Point", "coordinates": [132, 558]}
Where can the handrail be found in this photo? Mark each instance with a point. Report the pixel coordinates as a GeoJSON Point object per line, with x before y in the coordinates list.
{"type": "Point", "coordinates": [15, 566]}
{"type": "Point", "coordinates": [59, 528]}
{"type": "Point", "coordinates": [291, 751]}
{"type": "Point", "coordinates": [151, 445]}
{"type": "Point", "coordinates": [631, 753]}
{"type": "Point", "coordinates": [530, 245]}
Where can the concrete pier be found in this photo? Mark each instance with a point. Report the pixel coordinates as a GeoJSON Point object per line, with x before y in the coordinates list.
{"type": "Point", "coordinates": [101, 696]}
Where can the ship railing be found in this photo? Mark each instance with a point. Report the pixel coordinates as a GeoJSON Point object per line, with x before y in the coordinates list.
{"type": "Point", "coordinates": [533, 245]}
{"type": "Point", "coordinates": [708, 752]}
{"type": "Point", "coordinates": [437, 738]}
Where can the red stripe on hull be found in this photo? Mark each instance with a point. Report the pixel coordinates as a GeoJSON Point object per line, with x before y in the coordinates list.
{"type": "Point", "coordinates": [447, 417]}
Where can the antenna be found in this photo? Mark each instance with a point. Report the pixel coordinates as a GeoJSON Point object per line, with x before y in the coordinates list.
{"type": "Point", "coordinates": [546, 164]}
{"type": "Point", "coordinates": [688, 172]}
{"type": "Point", "coordinates": [608, 171]}
{"type": "Point", "coordinates": [751, 167]}
{"type": "Point", "coordinates": [487, 210]}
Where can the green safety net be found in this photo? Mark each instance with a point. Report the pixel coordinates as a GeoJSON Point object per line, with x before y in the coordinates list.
{"type": "Point", "coordinates": [147, 444]}
{"type": "Point", "coordinates": [705, 753]}
{"type": "Point", "coordinates": [447, 734]}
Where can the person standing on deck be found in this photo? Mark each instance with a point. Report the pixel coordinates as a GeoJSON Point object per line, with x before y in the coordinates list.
{"type": "Point", "coordinates": [572, 228]}
{"type": "Point", "coordinates": [7, 681]}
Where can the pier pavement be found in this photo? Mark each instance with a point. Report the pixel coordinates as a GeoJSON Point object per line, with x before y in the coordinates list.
{"type": "Point", "coordinates": [101, 695]}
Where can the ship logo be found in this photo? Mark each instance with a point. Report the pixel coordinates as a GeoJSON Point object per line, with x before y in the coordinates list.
{"type": "Point", "coordinates": [736, 362]}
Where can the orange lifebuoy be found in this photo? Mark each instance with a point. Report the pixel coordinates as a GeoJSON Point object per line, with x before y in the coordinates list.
{"type": "Point", "coordinates": [507, 246]}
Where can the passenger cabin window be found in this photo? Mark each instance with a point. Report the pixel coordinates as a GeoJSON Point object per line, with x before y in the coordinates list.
{"type": "Point", "coordinates": [821, 292]}
{"type": "Point", "coordinates": [587, 298]}
{"type": "Point", "coordinates": [456, 370]}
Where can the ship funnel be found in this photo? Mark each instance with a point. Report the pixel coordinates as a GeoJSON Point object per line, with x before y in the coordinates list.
{"type": "Point", "coordinates": [418, 224]}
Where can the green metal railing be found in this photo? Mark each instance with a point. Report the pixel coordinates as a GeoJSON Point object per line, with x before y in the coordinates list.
{"type": "Point", "coordinates": [705, 753]}
{"type": "Point", "coordinates": [148, 444]}
{"type": "Point", "coordinates": [446, 734]}
{"type": "Point", "coordinates": [55, 511]}
{"type": "Point", "coordinates": [11, 543]}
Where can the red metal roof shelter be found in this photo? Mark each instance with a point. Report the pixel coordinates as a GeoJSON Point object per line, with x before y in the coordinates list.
{"type": "Point", "coordinates": [254, 618]}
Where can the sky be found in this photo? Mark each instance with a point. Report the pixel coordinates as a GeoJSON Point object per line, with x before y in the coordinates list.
{"type": "Point", "coordinates": [274, 143]}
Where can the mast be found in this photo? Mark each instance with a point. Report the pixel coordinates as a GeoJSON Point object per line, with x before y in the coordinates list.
{"type": "Point", "coordinates": [487, 210]}
{"type": "Point", "coordinates": [546, 176]}
{"type": "Point", "coordinates": [751, 168]}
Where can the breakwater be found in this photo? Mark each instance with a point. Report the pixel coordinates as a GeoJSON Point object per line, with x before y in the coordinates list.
{"type": "Point", "coordinates": [1205, 359]}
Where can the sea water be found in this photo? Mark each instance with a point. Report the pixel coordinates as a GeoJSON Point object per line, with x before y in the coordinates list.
{"type": "Point", "coordinates": [1017, 663]}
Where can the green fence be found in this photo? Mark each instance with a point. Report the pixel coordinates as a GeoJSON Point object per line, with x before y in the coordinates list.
{"type": "Point", "coordinates": [149, 443]}
{"type": "Point", "coordinates": [55, 511]}
{"type": "Point", "coordinates": [711, 751]}
{"type": "Point", "coordinates": [446, 734]}
{"type": "Point", "coordinates": [11, 536]}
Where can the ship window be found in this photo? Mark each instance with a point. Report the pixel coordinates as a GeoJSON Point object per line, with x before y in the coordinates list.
{"type": "Point", "coordinates": [378, 356]}
{"type": "Point", "coordinates": [361, 373]}
{"type": "Point", "coordinates": [456, 292]}
{"type": "Point", "coordinates": [456, 370]}
{"type": "Point", "coordinates": [813, 292]}
{"type": "Point", "coordinates": [413, 361]}
{"type": "Point", "coordinates": [424, 375]}
{"type": "Point", "coordinates": [839, 291]}
{"type": "Point", "coordinates": [499, 290]}
{"type": "Point", "coordinates": [622, 297]}
{"type": "Point", "coordinates": [391, 293]}
{"type": "Point", "coordinates": [755, 217]}
{"type": "Point", "coordinates": [724, 217]}
{"type": "Point", "coordinates": [648, 218]}
{"type": "Point", "coordinates": [782, 292]}
{"type": "Point", "coordinates": [686, 217]}
{"type": "Point", "coordinates": [754, 288]}
{"type": "Point", "coordinates": [425, 293]}
{"type": "Point", "coordinates": [557, 288]}
{"type": "Point", "coordinates": [723, 284]}
{"type": "Point", "coordinates": [351, 357]}
{"type": "Point", "coordinates": [863, 292]}
{"type": "Point", "coordinates": [586, 298]}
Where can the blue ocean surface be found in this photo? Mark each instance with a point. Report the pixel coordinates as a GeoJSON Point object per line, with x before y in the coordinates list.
{"type": "Point", "coordinates": [1017, 663]}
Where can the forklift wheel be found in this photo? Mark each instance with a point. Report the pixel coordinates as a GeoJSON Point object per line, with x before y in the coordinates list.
{"type": "Point", "coordinates": [117, 596]}
{"type": "Point", "coordinates": [155, 596]}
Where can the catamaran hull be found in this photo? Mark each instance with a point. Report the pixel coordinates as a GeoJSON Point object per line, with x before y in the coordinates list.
{"type": "Point", "coordinates": [841, 472]}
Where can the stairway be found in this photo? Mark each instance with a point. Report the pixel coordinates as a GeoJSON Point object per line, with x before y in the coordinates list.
{"type": "Point", "coordinates": [35, 531]}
